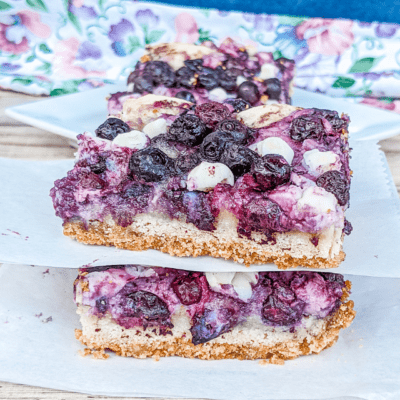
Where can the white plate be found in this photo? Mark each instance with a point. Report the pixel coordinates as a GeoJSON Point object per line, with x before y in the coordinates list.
{"type": "Point", "coordinates": [85, 111]}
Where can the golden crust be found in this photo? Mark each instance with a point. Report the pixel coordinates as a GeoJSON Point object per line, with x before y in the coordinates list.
{"type": "Point", "coordinates": [126, 238]}
{"type": "Point", "coordinates": [272, 354]}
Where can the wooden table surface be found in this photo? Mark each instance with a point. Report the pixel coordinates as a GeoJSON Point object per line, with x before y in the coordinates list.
{"type": "Point", "coordinates": [18, 140]}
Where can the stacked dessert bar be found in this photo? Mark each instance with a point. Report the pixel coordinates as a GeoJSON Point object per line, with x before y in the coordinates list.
{"type": "Point", "coordinates": [205, 158]}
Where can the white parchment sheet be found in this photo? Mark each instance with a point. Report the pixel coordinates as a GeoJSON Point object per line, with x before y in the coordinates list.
{"type": "Point", "coordinates": [365, 362]}
{"type": "Point", "coordinates": [30, 232]}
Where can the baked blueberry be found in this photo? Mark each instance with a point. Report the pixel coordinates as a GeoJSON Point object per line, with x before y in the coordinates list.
{"type": "Point", "coordinates": [227, 78]}
{"type": "Point", "coordinates": [146, 305]}
{"type": "Point", "coordinates": [194, 65]}
{"type": "Point", "coordinates": [306, 127]}
{"type": "Point", "coordinates": [273, 88]}
{"type": "Point", "coordinates": [214, 145]}
{"type": "Point", "coordinates": [185, 95]}
{"type": "Point", "coordinates": [102, 304]}
{"type": "Point", "coordinates": [249, 91]}
{"type": "Point", "coordinates": [161, 73]}
{"type": "Point", "coordinates": [143, 83]}
{"type": "Point", "coordinates": [212, 113]}
{"type": "Point", "coordinates": [188, 129]}
{"type": "Point", "coordinates": [99, 167]}
{"type": "Point", "coordinates": [185, 163]}
{"type": "Point", "coordinates": [239, 132]}
{"type": "Point", "coordinates": [333, 182]}
{"type": "Point", "coordinates": [239, 104]}
{"type": "Point", "coordinates": [238, 158]}
{"type": "Point", "coordinates": [187, 288]}
{"type": "Point", "coordinates": [185, 78]}
{"type": "Point", "coordinates": [333, 117]}
{"type": "Point", "coordinates": [151, 165]}
{"type": "Point", "coordinates": [111, 128]}
{"type": "Point", "coordinates": [271, 171]}
{"type": "Point", "coordinates": [207, 79]}
{"type": "Point", "coordinates": [277, 312]}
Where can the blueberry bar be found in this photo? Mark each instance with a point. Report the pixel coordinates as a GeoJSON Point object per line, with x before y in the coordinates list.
{"type": "Point", "coordinates": [200, 73]}
{"type": "Point", "coordinates": [144, 312]}
{"type": "Point", "coordinates": [254, 185]}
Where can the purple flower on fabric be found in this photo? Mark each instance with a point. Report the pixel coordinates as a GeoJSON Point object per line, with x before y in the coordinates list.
{"type": "Point", "coordinates": [288, 43]}
{"type": "Point", "coordinates": [118, 31]}
{"type": "Point", "coordinates": [261, 23]}
{"type": "Point", "coordinates": [83, 12]}
{"type": "Point", "coordinates": [117, 34]}
{"type": "Point", "coordinates": [223, 13]}
{"type": "Point", "coordinates": [364, 24]}
{"type": "Point", "coordinates": [146, 17]}
{"type": "Point", "coordinates": [372, 76]}
{"type": "Point", "coordinates": [7, 67]}
{"type": "Point", "coordinates": [88, 50]}
{"type": "Point", "coordinates": [386, 30]}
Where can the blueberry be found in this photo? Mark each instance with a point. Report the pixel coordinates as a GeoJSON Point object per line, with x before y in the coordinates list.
{"type": "Point", "coordinates": [333, 182]}
{"type": "Point", "coordinates": [249, 91]}
{"type": "Point", "coordinates": [185, 95]}
{"type": "Point", "coordinates": [198, 211]}
{"type": "Point", "coordinates": [102, 304]}
{"type": "Point", "coordinates": [227, 78]}
{"type": "Point", "coordinates": [99, 167]}
{"type": "Point", "coordinates": [277, 312]}
{"type": "Point", "coordinates": [188, 129]}
{"type": "Point", "coordinates": [239, 104]}
{"type": "Point", "coordinates": [143, 83]}
{"type": "Point", "coordinates": [271, 171]}
{"type": "Point", "coordinates": [185, 78]}
{"type": "Point", "coordinates": [273, 88]}
{"type": "Point", "coordinates": [212, 113]}
{"type": "Point", "coordinates": [111, 128]}
{"type": "Point", "coordinates": [187, 289]}
{"type": "Point", "coordinates": [214, 145]}
{"type": "Point", "coordinates": [137, 191]}
{"type": "Point", "coordinates": [238, 158]}
{"type": "Point", "coordinates": [239, 132]}
{"type": "Point", "coordinates": [146, 305]}
{"type": "Point", "coordinates": [306, 127]}
{"type": "Point", "coordinates": [161, 73]}
{"type": "Point", "coordinates": [163, 142]}
{"type": "Point", "coordinates": [333, 117]}
{"type": "Point", "coordinates": [348, 228]}
{"type": "Point", "coordinates": [194, 65]}
{"type": "Point", "coordinates": [185, 163]}
{"type": "Point", "coordinates": [208, 79]}
{"type": "Point", "coordinates": [151, 165]}
{"type": "Point", "coordinates": [330, 277]}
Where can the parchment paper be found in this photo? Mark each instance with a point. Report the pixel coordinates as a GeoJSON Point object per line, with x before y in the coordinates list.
{"type": "Point", "coordinates": [30, 233]}
{"type": "Point", "coordinates": [365, 362]}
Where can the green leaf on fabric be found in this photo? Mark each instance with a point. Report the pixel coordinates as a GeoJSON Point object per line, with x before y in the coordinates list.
{"type": "Point", "coordinates": [22, 81]}
{"type": "Point", "coordinates": [59, 92]}
{"type": "Point", "coordinates": [133, 44]}
{"type": "Point", "coordinates": [37, 5]}
{"type": "Point", "coordinates": [205, 12]}
{"type": "Point", "coordinates": [67, 87]}
{"type": "Point", "coordinates": [101, 4]}
{"type": "Point", "coordinates": [4, 6]}
{"type": "Point", "coordinates": [364, 64]}
{"type": "Point", "coordinates": [204, 36]}
{"type": "Point", "coordinates": [343, 83]}
{"type": "Point", "coordinates": [75, 21]}
{"type": "Point", "coordinates": [277, 54]}
{"type": "Point", "coordinates": [44, 48]}
{"type": "Point", "coordinates": [286, 20]}
{"type": "Point", "coordinates": [153, 36]}
{"type": "Point", "coordinates": [46, 68]}
{"type": "Point", "coordinates": [30, 58]}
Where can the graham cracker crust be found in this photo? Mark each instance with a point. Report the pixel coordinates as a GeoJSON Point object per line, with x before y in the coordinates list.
{"type": "Point", "coordinates": [243, 252]}
{"type": "Point", "coordinates": [273, 354]}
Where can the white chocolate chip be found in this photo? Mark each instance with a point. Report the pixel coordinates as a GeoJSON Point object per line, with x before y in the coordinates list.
{"type": "Point", "coordinates": [240, 79]}
{"type": "Point", "coordinates": [134, 140]}
{"type": "Point", "coordinates": [207, 175]}
{"type": "Point", "coordinates": [318, 199]}
{"type": "Point", "coordinates": [319, 162]}
{"type": "Point", "coordinates": [218, 94]}
{"type": "Point", "coordinates": [215, 279]}
{"type": "Point", "coordinates": [251, 50]}
{"type": "Point", "coordinates": [274, 145]}
{"type": "Point", "coordinates": [155, 128]}
{"type": "Point", "coordinates": [241, 284]}
{"type": "Point", "coordinates": [268, 71]}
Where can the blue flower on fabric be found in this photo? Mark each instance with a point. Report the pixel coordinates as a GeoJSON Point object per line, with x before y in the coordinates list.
{"type": "Point", "coordinates": [288, 43]}
{"type": "Point", "coordinates": [261, 23]}
{"type": "Point", "coordinates": [117, 34]}
{"type": "Point", "coordinates": [386, 30]}
{"type": "Point", "coordinates": [146, 18]}
{"type": "Point", "coordinates": [7, 67]}
{"type": "Point", "coordinates": [88, 50]}
{"type": "Point", "coordinates": [83, 12]}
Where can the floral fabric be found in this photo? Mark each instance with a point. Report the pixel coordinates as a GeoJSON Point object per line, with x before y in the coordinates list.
{"type": "Point", "coordinates": [64, 46]}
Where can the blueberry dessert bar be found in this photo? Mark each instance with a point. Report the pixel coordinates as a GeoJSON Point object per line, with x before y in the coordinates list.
{"type": "Point", "coordinates": [156, 312]}
{"type": "Point", "coordinates": [267, 184]}
{"type": "Point", "coordinates": [200, 73]}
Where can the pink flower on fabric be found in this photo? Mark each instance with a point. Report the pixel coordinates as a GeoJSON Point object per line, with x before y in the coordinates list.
{"type": "Point", "coordinates": [32, 21]}
{"type": "Point", "coordinates": [393, 106]}
{"type": "Point", "coordinates": [326, 36]}
{"type": "Point", "coordinates": [9, 46]}
{"type": "Point", "coordinates": [186, 28]}
{"type": "Point", "coordinates": [78, 3]}
{"type": "Point", "coordinates": [65, 52]}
